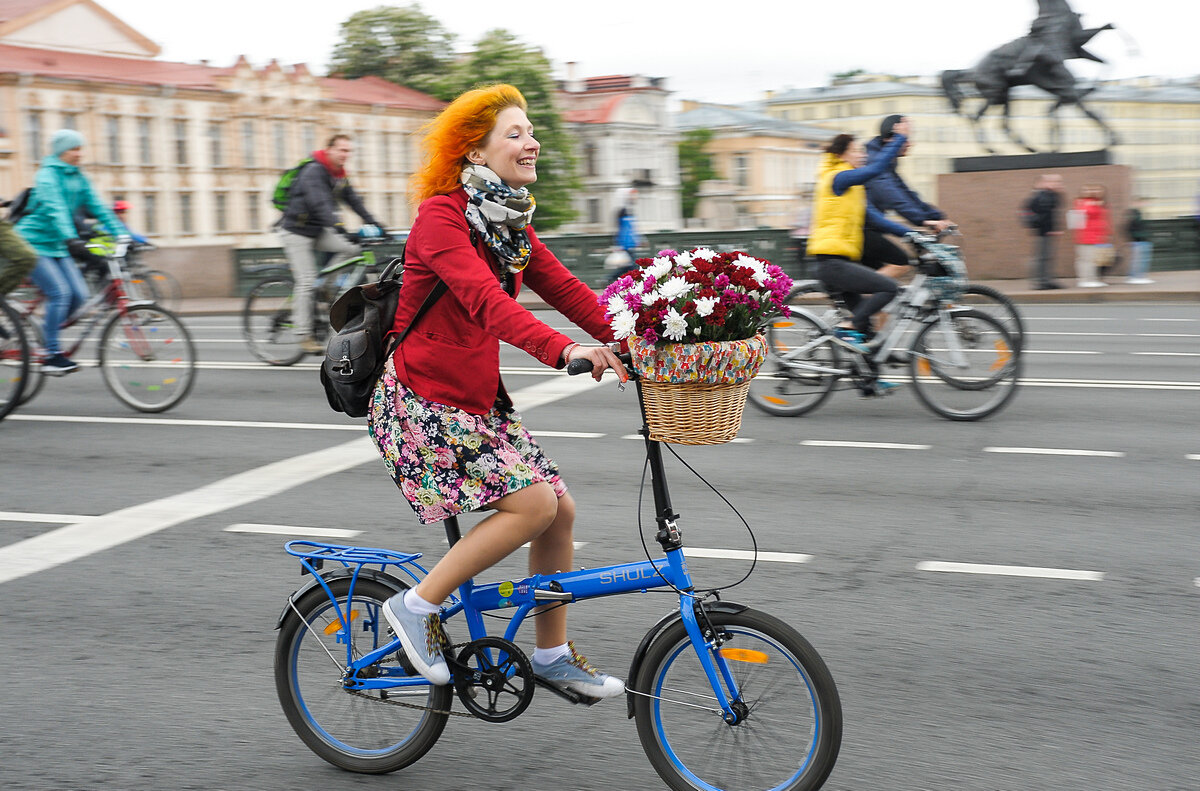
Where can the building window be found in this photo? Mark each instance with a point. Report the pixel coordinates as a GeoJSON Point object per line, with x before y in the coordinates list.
{"type": "Point", "coordinates": [252, 199]}
{"type": "Point", "coordinates": [741, 170]}
{"type": "Point", "coordinates": [145, 147]}
{"type": "Point", "coordinates": [593, 211]}
{"type": "Point", "coordinates": [33, 134]}
{"type": "Point", "coordinates": [216, 143]}
{"type": "Point", "coordinates": [221, 208]}
{"type": "Point", "coordinates": [390, 207]}
{"type": "Point", "coordinates": [591, 160]}
{"type": "Point", "coordinates": [70, 121]}
{"type": "Point", "coordinates": [363, 151]}
{"type": "Point", "coordinates": [150, 212]}
{"type": "Point", "coordinates": [309, 138]}
{"type": "Point", "coordinates": [185, 213]}
{"type": "Point", "coordinates": [248, 144]}
{"type": "Point", "coordinates": [279, 140]}
{"type": "Point", "coordinates": [181, 141]}
{"type": "Point", "coordinates": [112, 139]}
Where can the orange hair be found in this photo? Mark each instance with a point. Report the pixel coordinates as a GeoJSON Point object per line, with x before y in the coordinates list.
{"type": "Point", "coordinates": [459, 127]}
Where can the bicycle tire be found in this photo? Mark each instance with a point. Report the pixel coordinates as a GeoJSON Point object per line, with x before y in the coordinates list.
{"type": "Point", "coordinates": [685, 742]}
{"type": "Point", "coordinates": [948, 377]}
{"type": "Point", "coordinates": [998, 306]}
{"type": "Point", "coordinates": [164, 288]}
{"type": "Point", "coordinates": [783, 387]}
{"type": "Point", "coordinates": [147, 358]}
{"type": "Point", "coordinates": [15, 359]}
{"type": "Point", "coordinates": [322, 713]}
{"type": "Point", "coordinates": [36, 374]}
{"type": "Point", "coordinates": [267, 323]}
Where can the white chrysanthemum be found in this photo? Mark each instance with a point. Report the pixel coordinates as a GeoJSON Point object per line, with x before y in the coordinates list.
{"type": "Point", "coordinates": [705, 305]}
{"type": "Point", "coordinates": [623, 324]}
{"type": "Point", "coordinates": [674, 288]}
{"type": "Point", "coordinates": [616, 304]}
{"type": "Point", "coordinates": [675, 326]}
{"type": "Point", "coordinates": [659, 268]}
{"type": "Point", "coordinates": [683, 259]}
{"type": "Point", "coordinates": [755, 266]}
{"type": "Point", "coordinates": [704, 252]}
{"type": "Point", "coordinates": [650, 297]}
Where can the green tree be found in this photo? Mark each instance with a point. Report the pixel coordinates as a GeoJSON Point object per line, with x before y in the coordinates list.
{"type": "Point", "coordinates": [403, 45]}
{"type": "Point", "coordinates": [500, 57]}
{"type": "Point", "coordinates": [695, 166]}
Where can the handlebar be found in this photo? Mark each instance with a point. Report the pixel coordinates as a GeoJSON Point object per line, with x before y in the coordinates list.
{"type": "Point", "coordinates": [582, 365]}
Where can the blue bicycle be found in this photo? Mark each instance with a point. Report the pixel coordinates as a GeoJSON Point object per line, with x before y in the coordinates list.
{"type": "Point", "coordinates": [725, 697]}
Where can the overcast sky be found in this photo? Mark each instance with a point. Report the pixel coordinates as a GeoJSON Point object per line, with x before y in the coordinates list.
{"type": "Point", "coordinates": [725, 51]}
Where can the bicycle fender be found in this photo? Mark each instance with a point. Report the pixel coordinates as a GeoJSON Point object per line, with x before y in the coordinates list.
{"type": "Point", "coordinates": [337, 573]}
{"type": "Point", "coordinates": [640, 654]}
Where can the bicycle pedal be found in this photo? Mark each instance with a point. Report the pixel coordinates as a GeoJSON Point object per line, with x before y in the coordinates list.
{"type": "Point", "coordinates": [567, 694]}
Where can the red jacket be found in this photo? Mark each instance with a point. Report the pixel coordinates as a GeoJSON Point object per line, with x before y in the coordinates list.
{"type": "Point", "coordinates": [452, 355]}
{"type": "Point", "coordinates": [1095, 228]}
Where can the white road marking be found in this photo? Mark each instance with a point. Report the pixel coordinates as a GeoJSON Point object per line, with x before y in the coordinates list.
{"type": "Point", "coordinates": [577, 544]}
{"type": "Point", "coordinates": [292, 530]}
{"type": "Point", "coordinates": [1010, 571]}
{"type": "Point", "coordinates": [1081, 334]}
{"type": "Point", "coordinates": [1193, 457]}
{"type": "Point", "coordinates": [1050, 351]}
{"type": "Point", "coordinates": [1164, 335]}
{"type": "Point", "coordinates": [54, 519]}
{"type": "Point", "coordinates": [745, 554]}
{"type": "Point", "coordinates": [829, 443]}
{"type": "Point", "coordinates": [1112, 454]}
{"type": "Point", "coordinates": [166, 421]}
{"type": "Point", "coordinates": [1167, 354]}
{"type": "Point", "coordinates": [568, 434]}
{"type": "Point", "coordinates": [739, 440]}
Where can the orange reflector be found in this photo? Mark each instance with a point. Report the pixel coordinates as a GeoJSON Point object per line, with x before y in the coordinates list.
{"type": "Point", "coordinates": [923, 367]}
{"type": "Point", "coordinates": [743, 655]}
{"type": "Point", "coordinates": [783, 325]}
{"type": "Point", "coordinates": [774, 400]}
{"type": "Point", "coordinates": [1003, 355]}
{"type": "Point", "coordinates": [333, 627]}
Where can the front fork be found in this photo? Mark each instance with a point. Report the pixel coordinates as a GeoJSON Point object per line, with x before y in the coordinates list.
{"type": "Point", "coordinates": [707, 642]}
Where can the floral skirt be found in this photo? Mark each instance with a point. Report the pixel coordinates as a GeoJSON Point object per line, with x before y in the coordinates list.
{"type": "Point", "coordinates": [447, 461]}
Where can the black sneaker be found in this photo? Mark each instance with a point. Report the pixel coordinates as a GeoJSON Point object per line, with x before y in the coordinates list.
{"type": "Point", "coordinates": [58, 365]}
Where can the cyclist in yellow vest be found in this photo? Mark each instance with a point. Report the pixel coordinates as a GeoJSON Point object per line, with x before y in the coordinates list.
{"type": "Point", "coordinates": [840, 213]}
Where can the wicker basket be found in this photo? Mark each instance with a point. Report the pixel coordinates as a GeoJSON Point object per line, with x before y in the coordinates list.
{"type": "Point", "coordinates": [694, 413]}
{"type": "Point", "coordinates": [694, 394]}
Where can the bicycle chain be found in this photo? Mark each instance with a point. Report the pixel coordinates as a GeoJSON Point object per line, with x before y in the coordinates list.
{"type": "Point", "coordinates": [390, 702]}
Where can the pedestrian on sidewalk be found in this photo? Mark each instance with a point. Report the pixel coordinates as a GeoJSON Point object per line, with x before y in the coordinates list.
{"type": "Point", "coordinates": [1140, 248]}
{"type": "Point", "coordinates": [1041, 212]}
{"type": "Point", "coordinates": [1093, 236]}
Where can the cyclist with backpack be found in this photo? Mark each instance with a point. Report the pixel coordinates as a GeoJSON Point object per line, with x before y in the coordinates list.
{"type": "Point", "coordinates": [308, 196]}
{"type": "Point", "coordinates": [17, 258]}
{"type": "Point", "coordinates": [440, 416]}
{"type": "Point", "coordinates": [60, 192]}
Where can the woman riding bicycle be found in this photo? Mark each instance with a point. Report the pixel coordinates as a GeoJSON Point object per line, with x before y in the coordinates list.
{"type": "Point", "coordinates": [60, 191]}
{"type": "Point", "coordinates": [440, 414]}
{"type": "Point", "coordinates": [840, 213]}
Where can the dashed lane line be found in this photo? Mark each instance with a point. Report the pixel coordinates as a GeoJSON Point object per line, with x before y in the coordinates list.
{"type": "Point", "coordinates": [53, 519]}
{"type": "Point", "coordinates": [830, 443]}
{"type": "Point", "coordinates": [1009, 571]}
{"type": "Point", "coordinates": [292, 530]}
{"type": "Point", "coordinates": [1111, 454]}
{"type": "Point", "coordinates": [746, 554]}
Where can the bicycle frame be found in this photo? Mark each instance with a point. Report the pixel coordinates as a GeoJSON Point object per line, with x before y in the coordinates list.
{"type": "Point", "coordinates": [526, 594]}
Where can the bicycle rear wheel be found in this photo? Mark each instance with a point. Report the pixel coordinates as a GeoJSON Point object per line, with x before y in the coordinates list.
{"type": "Point", "coordinates": [372, 732]}
{"type": "Point", "coordinates": [796, 377]}
{"type": "Point", "coordinates": [990, 301]}
{"type": "Point", "coordinates": [15, 359]}
{"type": "Point", "coordinates": [267, 322]}
{"type": "Point", "coordinates": [36, 377]}
{"type": "Point", "coordinates": [965, 367]}
{"type": "Point", "coordinates": [147, 358]}
{"type": "Point", "coordinates": [161, 287]}
{"type": "Point", "coordinates": [791, 725]}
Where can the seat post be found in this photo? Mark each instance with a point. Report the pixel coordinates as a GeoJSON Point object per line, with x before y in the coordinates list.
{"type": "Point", "coordinates": [452, 532]}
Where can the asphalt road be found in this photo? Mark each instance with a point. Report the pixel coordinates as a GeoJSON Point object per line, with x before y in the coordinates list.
{"type": "Point", "coordinates": [136, 643]}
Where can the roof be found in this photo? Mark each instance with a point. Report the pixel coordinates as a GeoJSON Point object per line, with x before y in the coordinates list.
{"type": "Point", "coordinates": [741, 119]}
{"type": "Point", "coordinates": [600, 112]}
{"type": "Point", "coordinates": [18, 14]}
{"type": "Point", "coordinates": [1114, 91]}
{"type": "Point", "coordinates": [12, 9]}
{"type": "Point", "coordinates": [87, 67]}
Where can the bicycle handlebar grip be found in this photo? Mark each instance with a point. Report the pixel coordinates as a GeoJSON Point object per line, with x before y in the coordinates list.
{"type": "Point", "coordinates": [580, 365]}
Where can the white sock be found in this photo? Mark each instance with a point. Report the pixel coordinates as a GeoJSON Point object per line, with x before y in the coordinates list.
{"type": "Point", "coordinates": [415, 604]}
{"type": "Point", "coordinates": [544, 656]}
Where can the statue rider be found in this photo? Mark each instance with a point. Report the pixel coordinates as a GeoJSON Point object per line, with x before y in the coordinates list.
{"type": "Point", "coordinates": [1055, 36]}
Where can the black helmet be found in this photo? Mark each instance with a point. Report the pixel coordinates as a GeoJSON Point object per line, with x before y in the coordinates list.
{"type": "Point", "coordinates": [885, 126]}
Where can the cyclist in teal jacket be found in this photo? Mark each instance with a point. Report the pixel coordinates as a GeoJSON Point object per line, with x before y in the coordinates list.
{"type": "Point", "coordinates": [60, 190]}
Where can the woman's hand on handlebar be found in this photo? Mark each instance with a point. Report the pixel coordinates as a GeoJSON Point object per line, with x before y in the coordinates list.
{"type": "Point", "coordinates": [601, 358]}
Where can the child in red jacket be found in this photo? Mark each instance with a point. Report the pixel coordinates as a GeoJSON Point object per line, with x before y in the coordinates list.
{"type": "Point", "coordinates": [1093, 236]}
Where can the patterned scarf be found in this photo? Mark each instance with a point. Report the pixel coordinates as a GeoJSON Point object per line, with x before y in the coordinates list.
{"type": "Point", "coordinates": [499, 214]}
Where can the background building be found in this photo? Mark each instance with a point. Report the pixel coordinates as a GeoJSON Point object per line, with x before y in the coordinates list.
{"type": "Point", "coordinates": [624, 138]}
{"type": "Point", "coordinates": [766, 166]}
{"type": "Point", "coordinates": [1158, 122]}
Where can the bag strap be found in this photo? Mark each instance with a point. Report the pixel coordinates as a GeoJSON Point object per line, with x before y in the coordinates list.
{"type": "Point", "coordinates": [430, 299]}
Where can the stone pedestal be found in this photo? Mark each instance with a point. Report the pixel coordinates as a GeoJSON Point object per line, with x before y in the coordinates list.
{"type": "Point", "coordinates": [984, 196]}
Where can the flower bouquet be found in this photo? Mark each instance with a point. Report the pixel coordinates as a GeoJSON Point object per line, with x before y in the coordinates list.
{"type": "Point", "coordinates": [692, 323]}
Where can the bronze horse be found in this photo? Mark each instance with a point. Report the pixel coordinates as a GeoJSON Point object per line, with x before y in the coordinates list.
{"type": "Point", "coordinates": [1030, 60]}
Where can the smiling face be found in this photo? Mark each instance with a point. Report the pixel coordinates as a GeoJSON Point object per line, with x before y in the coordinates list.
{"type": "Point", "coordinates": [510, 149]}
{"type": "Point", "coordinates": [855, 154]}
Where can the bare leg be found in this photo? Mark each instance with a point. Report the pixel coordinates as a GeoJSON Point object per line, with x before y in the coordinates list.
{"type": "Point", "coordinates": [521, 516]}
{"type": "Point", "coordinates": [554, 551]}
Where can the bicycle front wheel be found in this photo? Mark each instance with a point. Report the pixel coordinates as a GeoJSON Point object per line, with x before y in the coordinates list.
{"type": "Point", "coordinates": [986, 299]}
{"type": "Point", "coordinates": [965, 366]}
{"type": "Point", "coordinates": [790, 726]}
{"type": "Point", "coordinates": [267, 322]}
{"type": "Point", "coordinates": [800, 369]}
{"type": "Point", "coordinates": [147, 358]}
{"type": "Point", "coordinates": [161, 287]}
{"type": "Point", "coordinates": [371, 732]}
{"type": "Point", "coordinates": [15, 354]}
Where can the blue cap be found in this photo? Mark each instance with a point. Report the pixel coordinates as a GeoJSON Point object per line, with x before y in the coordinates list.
{"type": "Point", "coordinates": [64, 140]}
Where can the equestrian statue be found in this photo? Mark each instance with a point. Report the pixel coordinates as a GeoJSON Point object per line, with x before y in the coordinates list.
{"type": "Point", "coordinates": [1037, 59]}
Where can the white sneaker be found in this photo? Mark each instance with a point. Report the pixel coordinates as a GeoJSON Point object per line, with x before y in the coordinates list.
{"type": "Point", "coordinates": [1090, 284]}
{"type": "Point", "coordinates": [1139, 281]}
